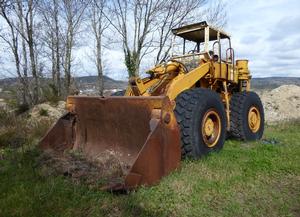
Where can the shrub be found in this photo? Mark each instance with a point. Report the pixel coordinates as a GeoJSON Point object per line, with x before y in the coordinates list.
{"type": "Point", "coordinates": [17, 131]}
{"type": "Point", "coordinates": [6, 118]}
{"type": "Point", "coordinates": [50, 94]}
{"type": "Point", "coordinates": [22, 108]}
{"type": "Point", "coordinates": [43, 112]}
{"type": "Point", "coordinates": [12, 139]}
{"type": "Point", "coordinates": [39, 128]}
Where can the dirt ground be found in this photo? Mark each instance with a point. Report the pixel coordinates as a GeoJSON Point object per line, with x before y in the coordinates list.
{"type": "Point", "coordinates": [50, 111]}
{"type": "Point", "coordinates": [98, 171]}
{"type": "Point", "coordinates": [281, 104]}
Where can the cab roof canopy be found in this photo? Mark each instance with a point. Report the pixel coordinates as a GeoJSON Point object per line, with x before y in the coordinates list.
{"type": "Point", "coordinates": [196, 32]}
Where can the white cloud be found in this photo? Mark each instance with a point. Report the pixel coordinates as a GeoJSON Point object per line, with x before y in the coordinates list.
{"type": "Point", "coordinates": [268, 34]}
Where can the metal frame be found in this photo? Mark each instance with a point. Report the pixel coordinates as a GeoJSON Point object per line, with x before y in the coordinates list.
{"type": "Point", "coordinates": [206, 40]}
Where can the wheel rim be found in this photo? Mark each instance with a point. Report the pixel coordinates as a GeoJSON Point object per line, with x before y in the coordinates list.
{"type": "Point", "coordinates": [254, 119]}
{"type": "Point", "coordinates": [211, 128]}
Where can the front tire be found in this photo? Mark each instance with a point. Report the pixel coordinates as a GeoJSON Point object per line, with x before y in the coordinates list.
{"type": "Point", "coordinates": [200, 115]}
{"type": "Point", "coordinates": [246, 116]}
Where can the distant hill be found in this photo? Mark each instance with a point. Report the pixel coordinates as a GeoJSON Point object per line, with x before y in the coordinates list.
{"type": "Point", "coordinates": [273, 82]}
{"type": "Point", "coordinates": [82, 82]}
{"type": "Point", "coordinates": [90, 82]}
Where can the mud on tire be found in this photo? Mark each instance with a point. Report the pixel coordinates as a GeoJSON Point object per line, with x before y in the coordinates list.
{"type": "Point", "coordinates": [192, 107]}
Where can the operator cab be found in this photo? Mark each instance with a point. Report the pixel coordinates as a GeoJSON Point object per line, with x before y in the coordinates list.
{"type": "Point", "coordinates": [201, 41]}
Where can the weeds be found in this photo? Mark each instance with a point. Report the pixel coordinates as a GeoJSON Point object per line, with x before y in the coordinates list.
{"type": "Point", "coordinates": [43, 112]}
{"type": "Point", "coordinates": [7, 119]}
{"type": "Point", "coordinates": [16, 131]}
{"type": "Point", "coordinates": [50, 94]}
{"type": "Point", "coordinates": [260, 179]}
{"type": "Point", "coordinates": [11, 139]}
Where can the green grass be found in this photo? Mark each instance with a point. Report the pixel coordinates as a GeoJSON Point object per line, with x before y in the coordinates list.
{"type": "Point", "coordinates": [244, 179]}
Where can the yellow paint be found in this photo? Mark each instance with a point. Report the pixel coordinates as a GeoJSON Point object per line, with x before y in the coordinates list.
{"type": "Point", "coordinates": [220, 72]}
{"type": "Point", "coordinates": [227, 109]}
{"type": "Point", "coordinates": [211, 128]}
{"type": "Point", "coordinates": [186, 81]}
{"type": "Point", "coordinates": [254, 119]}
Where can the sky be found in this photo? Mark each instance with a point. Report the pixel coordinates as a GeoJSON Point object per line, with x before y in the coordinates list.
{"type": "Point", "coordinates": [267, 33]}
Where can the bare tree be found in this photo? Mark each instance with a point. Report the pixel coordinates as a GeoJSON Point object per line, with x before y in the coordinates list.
{"type": "Point", "coordinates": [49, 11]}
{"type": "Point", "coordinates": [24, 51]}
{"type": "Point", "coordinates": [142, 14]}
{"type": "Point", "coordinates": [174, 14]}
{"type": "Point", "coordinates": [183, 12]}
{"type": "Point", "coordinates": [144, 26]}
{"type": "Point", "coordinates": [99, 24]}
{"type": "Point", "coordinates": [216, 14]}
{"type": "Point", "coordinates": [12, 40]}
{"type": "Point", "coordinates": [73, 14]}
{"type": "Point", "coordinates": [25, 13]}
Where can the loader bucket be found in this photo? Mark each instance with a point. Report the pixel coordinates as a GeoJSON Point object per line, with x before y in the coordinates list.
{"type": "Point", "coordinates": [141, 132]}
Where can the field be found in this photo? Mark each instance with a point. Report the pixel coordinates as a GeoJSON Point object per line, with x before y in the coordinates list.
{"type": "Point", "coordinates": [244, 179]}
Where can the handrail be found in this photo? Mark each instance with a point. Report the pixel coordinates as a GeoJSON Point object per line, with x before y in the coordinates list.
{"type": "Point", "coordinates": [220, 54]}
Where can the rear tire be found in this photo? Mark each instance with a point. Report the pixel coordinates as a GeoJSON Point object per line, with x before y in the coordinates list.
{"type": "Point", "coordinates": [200, 115]}
{"type": "Point", "coordinates": [246, 116]}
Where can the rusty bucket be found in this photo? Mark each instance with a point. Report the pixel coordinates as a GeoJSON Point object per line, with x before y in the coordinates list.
{"type": "Point", "coordinates": [141, 132]}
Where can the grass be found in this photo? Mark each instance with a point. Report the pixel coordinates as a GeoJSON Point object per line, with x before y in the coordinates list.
{"type": "Point", "coordinates": [244, 179]}
{"type": "Point", "coordinates": [43, 112]}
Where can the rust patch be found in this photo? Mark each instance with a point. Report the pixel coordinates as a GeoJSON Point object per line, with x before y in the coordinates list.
{"type": "Point", "coordinates": [136, 136]}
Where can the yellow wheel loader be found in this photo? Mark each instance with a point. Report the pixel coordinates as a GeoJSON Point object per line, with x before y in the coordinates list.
{"type": "Point", "coordinates": [184, 107]}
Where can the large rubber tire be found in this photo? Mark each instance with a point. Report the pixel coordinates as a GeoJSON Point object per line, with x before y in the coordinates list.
{"type": "Point", "coordinates": [191, 107]}
{"type": "Point", "coordinates": [240, 105]}
{"type": "Point", "coordinates": [119, 93]}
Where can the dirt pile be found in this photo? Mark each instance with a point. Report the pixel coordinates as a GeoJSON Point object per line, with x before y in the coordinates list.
{"type": "Point", "coordinates": [96, 172]}
{"type": "Point", "coordinates": [282, 103]}
{"type": "Point", "coordinates": [47, 111]}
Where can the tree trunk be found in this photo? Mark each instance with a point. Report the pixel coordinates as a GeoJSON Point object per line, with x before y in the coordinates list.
{"type": "Point", "coordinates": [57, 48]}
{"type": "Point", "coordinates": [53, 59]}
{"type": "Point", "coordinates": [99, 66]}
{"type": "Point", "coordinates": [30, 42]}
{"type": "Point", "coordinates": [68, 65]}
{"type": "Point", "coordinates": [27, 94]}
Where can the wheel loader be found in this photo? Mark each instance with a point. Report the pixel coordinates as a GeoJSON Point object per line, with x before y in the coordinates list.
{"type": "Point", "coordinates": [185, 107]}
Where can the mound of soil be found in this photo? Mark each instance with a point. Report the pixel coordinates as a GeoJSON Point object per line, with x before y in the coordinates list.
{"type": "Point", "coordinates": [282, 103]}
{"type": "Point", "coordinates": [98, 171]}
{"type": "Point", "coordinates": [48, 111]}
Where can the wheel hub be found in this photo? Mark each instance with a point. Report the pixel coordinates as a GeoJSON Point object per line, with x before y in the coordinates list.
{"type": "Point", "coordinates": [254, 119]}
{"type": "Point", "coordinates": [211, 128]}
